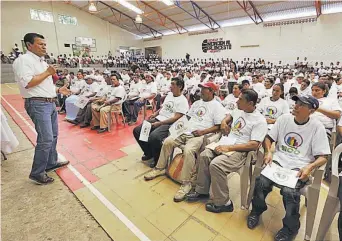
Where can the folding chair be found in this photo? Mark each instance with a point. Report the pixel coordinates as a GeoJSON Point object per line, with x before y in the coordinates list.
{"type": "Point", "coordinates": [332, 203]}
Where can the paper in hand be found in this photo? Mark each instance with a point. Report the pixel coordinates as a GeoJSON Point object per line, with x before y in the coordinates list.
{"type": "Point", "coordinates": [145, 131]}
{"type": "Point", "coordinates": [282, 176]}
{"type": "Point", "coordinates": [179, 127]}
{"type": "Point", "coordinates": [81, 102]}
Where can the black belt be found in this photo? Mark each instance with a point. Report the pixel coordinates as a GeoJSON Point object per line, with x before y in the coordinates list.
{"type": "Point", "coordinates": [50, 100]}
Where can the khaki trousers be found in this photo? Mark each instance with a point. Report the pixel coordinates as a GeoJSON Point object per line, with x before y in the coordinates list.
{"type": "Point", "coordinates": [213, 170]}
{"type": "Point", "coordinates": [100, 118]}
{"type": "Point", "coordinates": [192, 146]}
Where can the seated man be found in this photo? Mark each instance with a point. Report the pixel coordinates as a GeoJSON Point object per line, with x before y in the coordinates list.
{"type": "Point", "coordinates": [163, 87]}
{"type": "Point", "coordinates": [175, 106]}
{"type": "Point", "coordinates": [206, 116]}
{"type": "Point", "coordinates": [248, 130]}
{"type": "Point", "coordinates": [301, 144]}
{"type": "Point", "coordinates": [147, 92]}
{"type": "Point", "coordinates": [102, 107]}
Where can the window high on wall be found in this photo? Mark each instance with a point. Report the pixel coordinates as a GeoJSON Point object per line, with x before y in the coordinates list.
{"type": "Point", "coordinates": [41, 15]}
{"type": "Point", "coordinates": [64, 19]}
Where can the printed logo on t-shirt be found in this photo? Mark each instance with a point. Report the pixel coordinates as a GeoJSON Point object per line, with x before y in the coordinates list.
{"type": "Point", "coordinates": [179, 125]}
{"type": "Point", "coordinates": [239, 124]}
{"type": "Point", "coordinates": [201, 111]}
{"type": "Point", "coordinates": [231, 106]}
{"type": "Point", "coordinates": [293, 142]}
{"type": "Point", "coordinates": [271, 111]}
{"type": "Point", "coordinates": [168, 106]}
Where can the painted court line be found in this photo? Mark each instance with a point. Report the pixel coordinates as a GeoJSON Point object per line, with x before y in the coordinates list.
{"type": "Point", "coordinates": [134, 229]}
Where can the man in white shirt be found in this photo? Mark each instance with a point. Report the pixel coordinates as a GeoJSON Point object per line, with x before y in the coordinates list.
{"type": "Point", "coordinates": [100, 109]}
{"type": "Point", "coordinates": [125, 77]}
{"type": "Point", "coordinates": [205, 117]}
{"type": "Point", "coordinates": [301, 145]}
{"type": "Point", "coordinates": [174, 107]}
{"type": "Point", "coordinates": [147, 92]}
{"type": "Point", "coordinates": [258, 86]}
{"type": "Point", "coordinates": [163, 87]}
{"type": "Point", "coordinates": [33, 76]}
{"type": "Point", "coordinates": [248, 129]}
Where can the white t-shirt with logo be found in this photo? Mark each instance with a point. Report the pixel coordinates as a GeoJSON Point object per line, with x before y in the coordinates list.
{"type": "Point", "coordinates": [230, 103]}
{"type": "Point", "coordinates": [102, 90]}
{"type": "Point", "coordinates": [89, 89]}
{"type": "Point", "coordinates": [148, 89]}
{"type": "Point", "coordinates": [116, 92]}
{"type": "Point", "coordinates": [247, 127]}
{"type": "Point", "coordinates": [327, 104]}
{"type": "Point", "coordinates": [205, 115]}
{"type": "Point", "coordinates": [173, 105]}
{"type": "Point", "coordinates": [260, 89]}
{"type": "Point", "coordinates": [297, 145]}
{"type": "Point", "coordinates": [273, 109]}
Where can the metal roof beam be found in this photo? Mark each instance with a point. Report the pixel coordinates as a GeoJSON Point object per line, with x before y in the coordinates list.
{"type": "Point", "coordinates": [137, 25]}
{"type": "Point", "coordinates": [163, 19]}
{"type": "Point", "coordinates": [199, 14]}
{"type": "Point", "coordinates": [318, 5]}
{"type": "Point", "coordinates": [250, 9]}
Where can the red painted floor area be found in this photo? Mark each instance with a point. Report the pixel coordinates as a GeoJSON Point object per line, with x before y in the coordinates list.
{"type": "Point", "coordinates": [84, 148]}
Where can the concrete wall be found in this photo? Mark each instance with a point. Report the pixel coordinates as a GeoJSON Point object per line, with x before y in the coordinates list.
{"type": "Point", "coordinates": [16, 21]}
{"type": "Point", "coordinates": [319, 41]}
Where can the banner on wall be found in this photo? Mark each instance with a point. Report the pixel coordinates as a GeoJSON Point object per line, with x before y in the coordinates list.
{"type": "Point", "coordinates": [215, 45]}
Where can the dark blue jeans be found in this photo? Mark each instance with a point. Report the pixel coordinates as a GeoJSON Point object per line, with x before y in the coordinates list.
{"type": "Point", "coordinates": [44, 116]}
{"type": "Point", "coordinates": [291, 201]}
{"type": "Point", "coordinates": [132, 108]}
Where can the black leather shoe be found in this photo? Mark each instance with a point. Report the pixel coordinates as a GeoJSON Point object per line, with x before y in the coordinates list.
{"type": "Point", "coordinates": [95, 128]}
{"type": "Point", "coordinates": [73, 122]}
{"type": "Point", "coordinates": [210, 207]}
{"type": "Point", "coordinates": [102, 130]}
{"type": "Point", "coordinates": [252, 220]}
{"type": "Point", "coordinates": [146, 158]}
{"type": "Point", "coordinates": [285, 235]}
{"type": "Point", "coordinates": [42, 180]}
{"type": "Point", "coordinates": [58, 165]}
{"type": "Point", "coordinates": [194, 196]}
{"type": "Point", "coordinates": [84, 125]}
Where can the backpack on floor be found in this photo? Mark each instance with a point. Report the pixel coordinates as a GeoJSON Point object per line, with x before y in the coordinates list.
{"type": "Point", "coordinates": [174, 169]}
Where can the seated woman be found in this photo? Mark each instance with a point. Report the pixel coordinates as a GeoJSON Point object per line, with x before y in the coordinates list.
{"type": "Point", "coordinates": [174, 107]}
{"type": "Point", "coordinates": [88, 90]}
{"type": "Point", "coordinates": [268, 85]}
{"type": "Point", "coordinates": [274, 106]}
{"type": "Point", "coordinates": [230, 101]}
{"type": "Point", "coordinates": [305, 89]}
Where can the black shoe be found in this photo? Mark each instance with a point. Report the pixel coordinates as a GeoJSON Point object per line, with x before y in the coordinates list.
{"type": "Point", "coordinates": [95, 128]}
{"type": "Point", "coordinates": [42, 180]}
{"type": "Point", "coordinates": [153, 164]}
{"type": "Point", "coordinates": [84, 125]}
{"type": "Point", "coordinates": [252, 220]}
{"type": "Point", "coordinates": [146, 158]}
{"type": "Point", "coordinates": [102, 130]}
{"type": "Point", "coordinates": [58, 165]}
{"type": "Point", "coordinates": [210, 207]}
{"type": "Point", "coordinates": [285, 234]}
{"type": "Point", "coordinates": [61, 112]}
{"type": "Point", "coordinates": [132, 123]}
{"type": "Point", "coordinates": [194, 196]}
{"type": "Point", "coordinates": [73, 122]}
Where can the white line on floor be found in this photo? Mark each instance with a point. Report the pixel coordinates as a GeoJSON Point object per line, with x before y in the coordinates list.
{"type": "Point", "coordinates": [7, 85]}
{"type": "Point", "coordinates": [134, 229]}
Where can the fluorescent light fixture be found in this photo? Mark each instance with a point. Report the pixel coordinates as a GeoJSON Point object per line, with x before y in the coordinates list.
{"type": "Point", "coordinates": [130, 6]}
{"type": "Point", "coordinates": [92, 7]}
{"type": "Point", "coordinates": [290, 14]}
{"type": "Point", "coordinates": [167, 2]}
{"type": "Point", "coordinates": [197, 28]}
{"type": "Point", "coordinates": [138, 19]}
{"type": "Point", "coordinates": [236, 22]}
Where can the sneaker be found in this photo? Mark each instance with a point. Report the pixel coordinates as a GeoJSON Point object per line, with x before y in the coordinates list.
{"type": "Point", "coordinates": [285, 234]}
{"type": "Point", "coordinates": [58, 165]}
{"type": "Point", "coordinates": [194, 196]}
{"type": "Point", "coordinates": [252, 220]}
{"type": "Point", "coordinates": [210, 207]}
{"type": "Point", "coordinates": [42, 180]}
{"type": "Point", "coordinates": [182, 192]}
{"type": "Point", "coordinates": [154, 173]}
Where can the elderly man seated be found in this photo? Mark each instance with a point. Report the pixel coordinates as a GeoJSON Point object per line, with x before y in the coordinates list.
{"type": "Point", "coordinates": [302, 145]}
{"type": "Point", "coordinates": [206, 115]}
{"type": "Point", "coordinates": [147, 92]}
{"type": "Point", "coordinates": [102, 107]}
{"type": "Point", "coordinates": [248, 130]}
{"type": "Point", "coordinates": [174, 107]}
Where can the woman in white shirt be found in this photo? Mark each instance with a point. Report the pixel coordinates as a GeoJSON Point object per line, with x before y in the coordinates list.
{"type": "Point", "coordinates": [329, 110]}
{"type": "Point", "coordinates": [274, 106]}
{"type": "Point", "coordinates": [305, 89]}
{"type": "Point", "coordinates": [268, 85]}
{"type": "Point", "coordinates": [230, 101]}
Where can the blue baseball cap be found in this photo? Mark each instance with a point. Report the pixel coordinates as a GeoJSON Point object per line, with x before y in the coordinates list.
{"type": "Point", "coordinates": [309, 100]}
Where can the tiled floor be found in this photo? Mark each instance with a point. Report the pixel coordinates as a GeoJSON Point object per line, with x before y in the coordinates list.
{"type": "Point", "coordinates": [111, 162]}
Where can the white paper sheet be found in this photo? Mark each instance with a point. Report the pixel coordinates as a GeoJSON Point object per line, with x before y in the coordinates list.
{"type": "Point", "coordinates": [280, 175]}
{"type": "Point", "coordinates": [224, 141]}
{"type": "Point", "coordinates": [145, 131]}
{"type": "Point", "coordinates": [82, 102]}
{"type": "Point", "coordinates": [179, 127]}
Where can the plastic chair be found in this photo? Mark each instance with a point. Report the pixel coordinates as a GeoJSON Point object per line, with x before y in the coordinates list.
{"type": "Point", "coordinates": [310, 191]}
{"type": "Point", "coordinates": [116, 112]}
{"type": "Point", "coordinates": [332, 203]}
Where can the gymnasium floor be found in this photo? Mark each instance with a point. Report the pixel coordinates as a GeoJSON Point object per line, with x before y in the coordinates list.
{"type": "Point", "coordinates": [106, 175]}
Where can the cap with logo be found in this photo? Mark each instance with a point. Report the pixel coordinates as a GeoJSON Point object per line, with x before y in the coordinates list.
{"type": "Point", "coordinates": [309, 100]}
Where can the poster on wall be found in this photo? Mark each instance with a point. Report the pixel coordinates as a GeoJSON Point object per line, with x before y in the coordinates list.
{"type": "Point", "coordinates": [215, 45]}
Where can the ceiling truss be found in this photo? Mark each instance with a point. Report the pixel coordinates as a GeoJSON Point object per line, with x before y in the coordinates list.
{"type": "Point", "coordinates": [251, 11]}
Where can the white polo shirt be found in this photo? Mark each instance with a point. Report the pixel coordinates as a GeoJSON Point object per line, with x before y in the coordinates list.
{"type": "Point", "coordinates": [25, 68]}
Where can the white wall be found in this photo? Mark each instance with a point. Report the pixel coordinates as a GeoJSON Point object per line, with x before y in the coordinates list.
{"type": "Point", "coordinates": [16, 22]}
{"type": "Point", "coordinates": [318, 41]}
